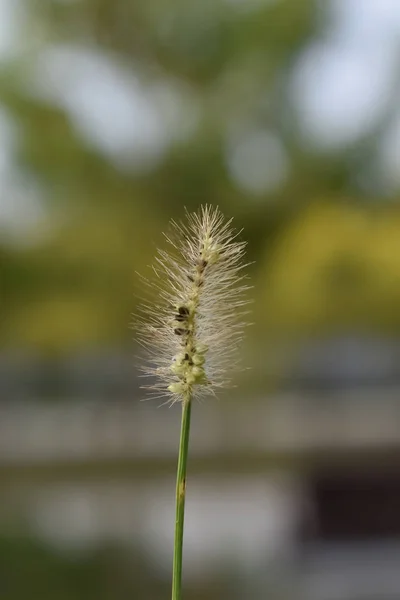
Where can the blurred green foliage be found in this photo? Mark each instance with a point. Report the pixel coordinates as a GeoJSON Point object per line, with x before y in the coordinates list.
{"type": "Point", "coordinates": [324, 259]}
{"type": "Point", "coordinates": [29, 568]}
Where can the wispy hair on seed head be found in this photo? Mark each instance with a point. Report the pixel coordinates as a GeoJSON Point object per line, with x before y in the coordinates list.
{"type": "Point", "coordinates": [192, 326]}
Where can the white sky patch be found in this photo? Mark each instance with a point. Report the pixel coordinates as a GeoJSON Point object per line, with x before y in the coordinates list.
{"type": "Point", "coordinates": [19, 205]}
{"type": "Point", "coordinates": [372, 20]}
{"type": "Point", "coordinates": [10, 13]}
{"type": "Point", "coordinates": [131, 122]}
{"type": "Point", "coordinates": [21, 208]}
{"type": "Point", "coordinates": [343, 82]}
{"type": "Point", "coordinates": [257, 161]}
{"type": "Point", "coordinates": [342, 92]}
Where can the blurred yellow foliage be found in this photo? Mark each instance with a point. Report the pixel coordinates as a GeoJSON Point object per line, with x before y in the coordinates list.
{"type": "Point", "coordinates": [335, 266]}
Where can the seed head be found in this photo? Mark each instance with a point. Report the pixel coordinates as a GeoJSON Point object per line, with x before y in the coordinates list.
{"type": "Point", "coordinates": [191, 333]}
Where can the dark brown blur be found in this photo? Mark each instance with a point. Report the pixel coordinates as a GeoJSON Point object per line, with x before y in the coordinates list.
{"type": "Point", "coordinates": [114, 116]}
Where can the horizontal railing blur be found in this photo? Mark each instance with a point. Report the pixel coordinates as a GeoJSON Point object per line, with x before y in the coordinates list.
{"type": "Point", "coordinates": [333, 364]}
{"type": "Point", "coordinates": [80, 429]}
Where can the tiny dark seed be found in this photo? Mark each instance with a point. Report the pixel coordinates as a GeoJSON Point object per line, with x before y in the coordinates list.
{"type": "Point", "coordinates": [183, 310]}
{"type": "Point", "coordinates": [179, 331]}
{"type": "Point", "coordinates": [180, 318]}
{"type": "Point", "coordinates": [186, 356]}
{"type": "Point", "coordinates": [190, 278]}
{"type": "Point", "coordinates": [202, 263]}
{"type": "Point", "coordinates": [200, 283]}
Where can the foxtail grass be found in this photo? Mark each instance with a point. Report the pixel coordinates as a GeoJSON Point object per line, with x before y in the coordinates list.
{"type": "Point", "coordinates": [192, 332]}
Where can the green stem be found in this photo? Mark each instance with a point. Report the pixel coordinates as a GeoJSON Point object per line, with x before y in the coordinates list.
{"type": "Point", "coordinates": [180, 498]}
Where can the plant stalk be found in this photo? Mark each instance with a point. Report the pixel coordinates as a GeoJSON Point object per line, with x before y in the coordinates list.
{"type": "Point", "coordinates": [180, 498]}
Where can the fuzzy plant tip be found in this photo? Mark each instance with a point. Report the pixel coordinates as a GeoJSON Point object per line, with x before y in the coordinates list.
{"type": "Point", "coordinates": [193, 324]}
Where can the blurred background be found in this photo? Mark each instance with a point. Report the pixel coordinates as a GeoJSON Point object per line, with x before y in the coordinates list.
{"type": "Point", "coordinates": [114, 115]}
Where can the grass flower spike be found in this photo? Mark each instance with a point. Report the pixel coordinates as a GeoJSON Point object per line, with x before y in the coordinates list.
{"type": "Point", "coordinates": [192, 333]}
